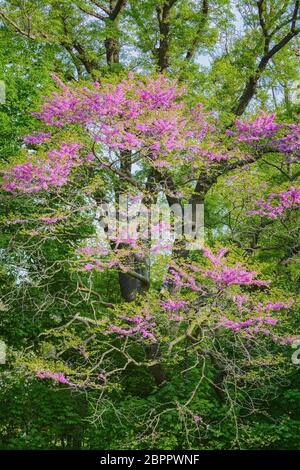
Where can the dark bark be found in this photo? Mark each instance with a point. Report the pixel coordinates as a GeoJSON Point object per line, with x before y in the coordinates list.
{"type": "Point", "coordinates": [158, 371]}
{"type": "Point", "coordinates": [90, 65]}
{"type": "Point", "coordinates": [163, 50]}
{"type": "Point", "coordinates": [116, 8]}
{"type": "Point", "coordinates": [131, 286]}
{"type": "Point", "coordinates": [164, 30]}
{"type": "Point", "coordinates": [110, 13]}
{"type": "Point", "coordinates": [247, 95]}
{"type": "Point", "coordinates": [112, 48]}
{"type": "Point", "coordinates": [112, 45]}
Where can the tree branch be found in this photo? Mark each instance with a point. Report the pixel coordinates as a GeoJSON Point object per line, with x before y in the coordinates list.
{"type": "Point", "coordinates": [139, 277]}
{"type": "Point", "coordinates": [251, 85]}
{"type": "Point", "coordinates": [102, 7]}
{"type": "Point", "coordinates": [197, 39]}
{"type": "Point", "coordinates": [17, 28]}
{"type": "Point", "coordinates": [93, 13]}
{"type": "Point", "coordinates": [117, 9]}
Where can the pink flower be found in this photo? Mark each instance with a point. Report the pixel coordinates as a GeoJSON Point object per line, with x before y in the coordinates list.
{"type": "Point", "coordinates": [215, 259]}
{"type": "Point", "coordinates": [262, 127]}
{"type": "Point", "coordinates": [228, 275]}
{"type": "Point", "coordinates": [34, 176]}
{"type": "Point", "coordinates": [88, 267]}
{"type": "Point", "coordinates": [176, 317]}
{"type": "Point", "coordinates": [235, 275]}
{"type": "Point", "coordinates": [52, 220]}
{"type": "Point", "coordinates": [277, 204]}
{"type": "Point", "coordinates": [37, 138]}
{"type": "Point", "coordinates": [275, 306]}
{"type": "Point", "coordinates": [56, 376]}
{"type": "Point", "coordinates": [141, 325]}
{"type": "Point", "coordinates": [174, 304]}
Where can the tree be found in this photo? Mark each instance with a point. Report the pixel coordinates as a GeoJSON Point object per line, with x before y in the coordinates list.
{"type": "Point", "coordinates": [116, 125]}
{"type": "Point", "coordinates": [140, 334]}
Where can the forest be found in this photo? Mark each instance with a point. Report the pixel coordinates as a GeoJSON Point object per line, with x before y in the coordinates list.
{"type": "Point", "coordinates": [149, 225]}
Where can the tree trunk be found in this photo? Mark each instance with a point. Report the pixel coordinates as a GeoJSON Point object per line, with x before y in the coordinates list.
{"type": "Point", "coordinates": [129, 286]}
{"type": "Point", "coordinates": [246, 96]}
{"type": "Point", "coordinates": [112, 47]}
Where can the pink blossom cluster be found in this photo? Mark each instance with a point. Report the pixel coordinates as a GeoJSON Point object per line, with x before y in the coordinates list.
{"type": "Point", "coordinates": [181, 278]}
{"type": "Point", "coordinates": [101, 258]}
{"type": "Point", "coordinates": [174, 304]}
{"type": "Point", "coordinates": [131, 240]}
{"type": "Point", "coordinates": [93, 250]}
{"type": "Point", "coordinates": [234, 275]}
{"type": "Point", "coordinates": [285, 341]}
{"type": "Point", "coordinates": [37, 138]}
{"type": "Point", "coordinates": [262, 127]}
{"type": "Point", "coordinates": [91, 267]}
{"type": "Point", "coordinates": [100, 265]}
{"type": "Point", "coordinates": [256, 326]}
{"type": "Point", "coordinates": [52, 219]}
{"type": "Point", "coordinates": [260, 319]}
{"type": "Point", "coordinates": [258, 322]}
{"type": "Point", "coordinates": [161, 246]}
{"type": "Point", "coordinates": [268, 307]}
{"type": "Point", "coordinates": [145, 115]}
{"type": "Point", "coordinates": [265, 127]}
{"type": "Point", "coordinates": [217, 156]}
{"type": "Point", "coordinates": [176, 317]}
{"type": "Point", "coordinates": [127, 100]}
{"type": "Point", "coordinates": [56, 376]}
{"type": "Point", "coordinates": [37, 174]}
{"type": "Point", "coordinates": [290, 143]}
{"type": "Point", "coordinates": [277, 204]}
{"type": "Point", "coordinates": [216, 260]}
{"type": "Point", "coordinates": [141, 324]}
{"type": "Point", "coordinates": [275, 306]}
{"type": "Point", "coordinates": [229, 275]}
{"type": "Point", "coordinates": [242, 302]}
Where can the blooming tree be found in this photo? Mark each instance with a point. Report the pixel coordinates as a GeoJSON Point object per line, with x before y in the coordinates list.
{"type": "Point", "coordinates": [142, 137]}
